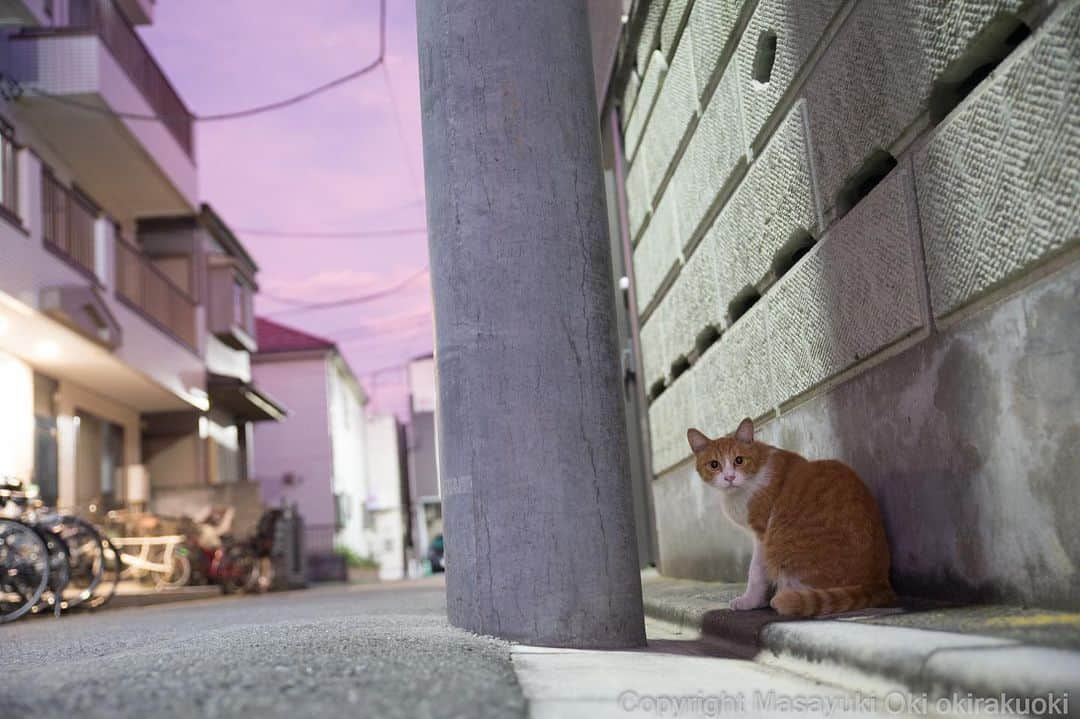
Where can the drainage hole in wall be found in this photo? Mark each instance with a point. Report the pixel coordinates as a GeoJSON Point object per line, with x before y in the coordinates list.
{"type": "Point", "coordinates": [765, 56]}
{"type": "Point", "coordinates": [791, 252]}
{"type": "Point", "coordinates": [706, 339]}
{"type": "Point", "coordinates": [873, 170]}
{"type": "Point", "coordinates": [679, 366]}
{"type": "Point", "coordinates": [742, 303]}
{"type": "Point", "coordinates": [984, 53]}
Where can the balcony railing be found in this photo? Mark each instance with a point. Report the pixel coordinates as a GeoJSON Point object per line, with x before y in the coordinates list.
{"type": "Point", "coordinates": [68, 222]}
{"type": "Point", "coordinates": [104, 19]}
{"type": "Point", "coordinates": [149, 291]}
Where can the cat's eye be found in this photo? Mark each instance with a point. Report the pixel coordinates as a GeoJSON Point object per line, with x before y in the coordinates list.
{"type": "Point", "coordinates": [738, 460]}
{"type": "Point", "coordinates": [714, 465]}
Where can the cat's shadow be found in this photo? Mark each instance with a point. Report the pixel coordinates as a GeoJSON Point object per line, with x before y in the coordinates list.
{"type": "Point", "coordinates": [737, 635]}
{"type": "Point", "coordinates": [725, 633]}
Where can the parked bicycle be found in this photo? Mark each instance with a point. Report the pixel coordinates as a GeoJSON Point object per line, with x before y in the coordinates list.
{"type": "Point", "coordinates": [24, 569]}
{"type": "Point", "coordinates": [221, 558]}
{"type": "Point", "coordinates": [70, 571]}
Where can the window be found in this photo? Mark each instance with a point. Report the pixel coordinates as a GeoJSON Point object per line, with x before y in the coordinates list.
{"type": "Point", "coordinates": [46, 448]}
{"type": "Point", "coordinates": [239, 303]}
{"type": "Point", "coordinates": [243, 315]}
{"type": "Point", "coordinates": [9, 196]}
{"type": "Point", "coordinates": [224, 456]}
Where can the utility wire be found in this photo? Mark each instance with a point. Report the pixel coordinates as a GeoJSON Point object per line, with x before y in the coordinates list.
{"type": "Point", "coordinates": [376, 343]}
{"type": "Point", "coordinates": [348, 301]}
{"type": "Point", "coordinates": [406, 153]}
{"type": "Point", "coordinates": [320, 234]}
{"type": "Point", "coordinates": [246, 112]}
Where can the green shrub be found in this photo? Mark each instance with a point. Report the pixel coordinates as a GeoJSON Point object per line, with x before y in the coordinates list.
{"type": "Point", "coordinates": [354, 559]}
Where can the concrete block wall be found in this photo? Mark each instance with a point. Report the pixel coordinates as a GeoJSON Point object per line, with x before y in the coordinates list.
{"type": "Point", "coordinates": [834, 196]}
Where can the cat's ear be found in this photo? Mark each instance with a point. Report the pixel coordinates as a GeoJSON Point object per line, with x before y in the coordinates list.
{"type": "Point", "coordinates": [698, 441]}
{"type": "Point", "coordinates": [745, 432]}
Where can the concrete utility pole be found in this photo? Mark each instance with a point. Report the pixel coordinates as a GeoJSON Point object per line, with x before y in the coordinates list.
{"type": "Point", "coordinates": [538, 515]}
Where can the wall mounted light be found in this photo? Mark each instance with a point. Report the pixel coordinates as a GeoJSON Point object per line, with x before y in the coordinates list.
{"type": "Point", "coordinates": [47, 350]}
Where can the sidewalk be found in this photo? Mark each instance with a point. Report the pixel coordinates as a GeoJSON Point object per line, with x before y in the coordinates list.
{"type": "Point", "coordinates": [941, 651]}
{"type": "Point", "coordinates": [136, 594]}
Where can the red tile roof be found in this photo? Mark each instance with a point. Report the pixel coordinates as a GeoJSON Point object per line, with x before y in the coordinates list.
{"type": "Point", "coordinates": [274, 337]}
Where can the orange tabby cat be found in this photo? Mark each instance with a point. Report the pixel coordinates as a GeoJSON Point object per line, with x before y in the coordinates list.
{"type": "Point", "coordinates": [817, 530]}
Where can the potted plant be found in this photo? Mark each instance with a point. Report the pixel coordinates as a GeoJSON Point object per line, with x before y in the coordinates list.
{"type": "Point", "coordinates": [359, 569]}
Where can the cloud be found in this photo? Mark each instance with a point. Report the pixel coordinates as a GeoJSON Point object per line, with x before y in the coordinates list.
{"type": "Point", "coordinates": [335, 162]}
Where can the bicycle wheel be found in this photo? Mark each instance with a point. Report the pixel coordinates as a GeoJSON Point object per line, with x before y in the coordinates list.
{"type": "Point", "coordinates": [59, 571]}
{"type": "Point", "coordinates": [106, 589]}
{"type": "Point", "coordinates": [24, 569]}
{"type": "Point", "coordinates": [86, 559]}
{"type": "Point", "coordinates": [241, 569]}
{"type": "Point", "coordinates": [178, 575]}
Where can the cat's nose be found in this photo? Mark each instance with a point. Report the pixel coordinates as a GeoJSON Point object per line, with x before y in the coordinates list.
{"type": "Point", "coordinates": [729, 478]}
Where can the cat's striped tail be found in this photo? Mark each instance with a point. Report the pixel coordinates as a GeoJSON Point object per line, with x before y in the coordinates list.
{"type": "Point", "coordinates": [818, 602]}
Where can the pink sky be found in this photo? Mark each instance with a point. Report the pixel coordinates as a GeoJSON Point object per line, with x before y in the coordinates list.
{"type": "Point", "coordinates": [338, 162]}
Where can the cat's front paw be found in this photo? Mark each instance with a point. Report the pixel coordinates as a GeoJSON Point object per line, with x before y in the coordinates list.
{"type": "Point", "coordinates": [747, 601]}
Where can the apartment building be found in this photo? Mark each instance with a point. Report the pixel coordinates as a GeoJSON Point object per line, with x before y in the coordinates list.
{"type": "Point", "coordinates": [316, 458]}
{"type": "Point", "coordinates": [126, 319]}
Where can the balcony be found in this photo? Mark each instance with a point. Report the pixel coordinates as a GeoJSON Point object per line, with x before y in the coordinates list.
{"type": "Point", "coordinates": [79, 80]}
{"type": "Point", "coordinates": [146, 289]}
{"type": "Point", "coordinates": [68, 226]}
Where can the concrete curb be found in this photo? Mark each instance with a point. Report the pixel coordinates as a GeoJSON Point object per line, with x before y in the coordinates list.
{"type": "Point", "coordinates": [858, 653]}
{"type": "Point", "coordinates": [938, 664]}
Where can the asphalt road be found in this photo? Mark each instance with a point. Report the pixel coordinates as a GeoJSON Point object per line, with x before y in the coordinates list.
{"type": "Point", "coordinates": [345, 651]}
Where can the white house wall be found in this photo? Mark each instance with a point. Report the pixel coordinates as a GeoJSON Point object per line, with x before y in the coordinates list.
{"type": "Point", "coordinates": [347, 439]}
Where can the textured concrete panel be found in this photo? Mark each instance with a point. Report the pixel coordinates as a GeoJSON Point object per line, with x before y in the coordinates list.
{"type": "Point", "coordinates": [775, 201]}
{"type": "Point", "coordinates": [650, 34]}
{"type": "Point", "coordinates": [673, 20]}
{"type": "Point", "coordinates": [693, 302]}
{"type": "Point", "coordinates": [653, 348]}
{"type": "Point", "coordinates": [670, 415]}
{"type": "Point", "coordinates": [675, 106]}
{"type": "Point", "coordinates": [998, 183]}
{"type": "Point", "coordinates": [630, 95]}
{"type": "Point", "coordinates": [694, 536]}
{"type": "Point", "coordinates": [650, 87]}
{"type": "Point", "coordinates": [733, 378]}
{"type": "Point", "coordinates": [715, 149]}
{"type": "Point", "coordinates": [798, 26]}
{"type": "Point", "coordinates": [876, 77]}
{"type": "Point", "coordinates": [712, 23]}
{"type": "Point", "coordinates": [970, 442]}
{"type": "Point", "coordinates": [856, 292]}
{"type": "Point", "coordinates": [657, 251]}
{"type": "Point", "coordinates": [638, 194]}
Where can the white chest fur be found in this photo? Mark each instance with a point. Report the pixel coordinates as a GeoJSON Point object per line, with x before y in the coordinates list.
{"type": "Point", "coordinates": [736, 505]}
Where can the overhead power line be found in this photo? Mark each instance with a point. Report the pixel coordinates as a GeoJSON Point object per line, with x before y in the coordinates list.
{"type": "Point", "coordinates": [323, 234]}
{"type": "Point", "coordinates": [246, 112]}
{"type": "Point", "coordinates": [348, 301]}
{"type": "Point", "coordinates": [405, 148]}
